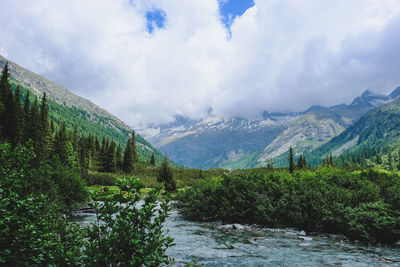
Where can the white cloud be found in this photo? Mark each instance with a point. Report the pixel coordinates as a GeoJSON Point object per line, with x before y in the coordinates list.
{"type": "Point", "coordinates": [282, 55]}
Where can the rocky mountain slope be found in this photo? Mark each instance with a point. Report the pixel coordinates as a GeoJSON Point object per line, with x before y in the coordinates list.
{"type": "Point", "coordinates": [240, 143]}
{"type": "Point", "coordinates": [376, 131]}
{"type": "Point", "coordinates": [74, 110]}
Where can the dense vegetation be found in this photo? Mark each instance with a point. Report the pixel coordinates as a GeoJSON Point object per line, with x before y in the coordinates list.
{"type": "Point", "coordinates": [363, 205]}
{"type": "Point", "coordinates": [34, 233]}
{"type": "Point", "coordinates": [41, 171]}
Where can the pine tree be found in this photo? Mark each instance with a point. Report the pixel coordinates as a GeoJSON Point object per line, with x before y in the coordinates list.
{"type": "Point", "coordinates": [390, 161]}
{"type": "Point", "coordinates": [60, 144]}
{"type": "Point", "coordinates": [5, 86]}
{"type": "Point", "coordinates": [102, 155]}
{"type": "Point", "coordinates": [166, 176]}
{"type": "Point", "coordinates": [111, 162]}
{"type": "Point", "coordinates": [152, 160]}
{"type": "Point", "coordinates": [300, 162]}
{"type": "Point", "coordinates": [20, 117]}
{"type": "Point", "coordinates": [33, 124]}
{"type": "Point", "coordinates": [291, 161]}
{"type": "Point", "coordinates": [304, 162]}
{"type": "Point", "coordinates": [127, 165]}
{"type": "Point", "coordinates": [52, 126]}
{"type": "Point", "coordinates": [134, 150]}
{"type": "Point", "coordinates": [331, 160]}
{"type": "Point", "coordinates": [45, 131]}
{"type": "Point", "coordinates": [378, 159]}
{"type": "Point", "coordinates": [118, 157]}
{"type": "Point", "coordinates": [10, 118]}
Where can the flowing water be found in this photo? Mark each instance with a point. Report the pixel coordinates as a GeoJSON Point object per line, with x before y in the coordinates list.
{"type": "Point", "coordinates": [223, 245]}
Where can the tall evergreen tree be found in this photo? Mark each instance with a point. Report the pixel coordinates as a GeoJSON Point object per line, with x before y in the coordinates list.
{"type": "Point", "coordinates": [134, 150]}
{"type": "Point", "coordinates": [331, 160]}
{"type": "Point", "coordinates": [118, 157]}
{"type": "Point", "coordinates": [10, 118]}
{"type": "Point", "coordinates": [20, 116]}
{"type": "Point", "coordinates": [300, 162]}
{"type": "Point", "coordinates": [45, 136]}
{"type": "Point", "coordinates": [304, 162]}
{"type": "Point", "coordinates": [152, 160]}
{"type": "Point", "coordinates": [5, 86]}
{"type": "Point", "coordinates": [111, 163]}
{"type": "Point", "coordinates": [291, 160]}
{"type": "Point", "coordinates": [33, 130]}
{"type": "Point", "coordinates": [166, 176]}
{"type": "Point", "coordinates": [60, 144]}
{"type": "Point", "coordinates": [127, 165]}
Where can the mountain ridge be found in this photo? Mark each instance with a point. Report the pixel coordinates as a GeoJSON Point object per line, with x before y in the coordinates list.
{"type": "Point", "coordinates": [267, 137]}
{"type": "Point", "coordinates": [66, 107]}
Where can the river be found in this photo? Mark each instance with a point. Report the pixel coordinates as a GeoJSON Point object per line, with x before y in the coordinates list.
{"type": "Point", "coordinates": [222, 245]}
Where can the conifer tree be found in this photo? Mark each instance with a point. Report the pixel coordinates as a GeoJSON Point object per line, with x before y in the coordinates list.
{"type": "Point", "coordinates": [20, 117]}
{"type": "Point", "coordinates": [33, 130]}
{"type": "Point", "coordinates": [75, 138]}
{"type": "Point", "coordinates": [111, 163]}
{"type": "Point", "coordinates": [291, 161]}
{"type": "Point", "coordinates": [102, 155]}
{"type": "Point", "coordinates": [300, 162]}
{"type": "Point", "coordinates": [134, 150]}
{"type": "Point", "coordinates": [84, 157]}
{"type": "Point", "coordinates": [45, 131]}
{"type": "Point", "coordinates": [10, 118]}
{"type": "Point", "coordinates": [60, 144]}
{"type": "Point", "coordinates": [118, 157]}
{"type": "Point", "coordinates": [52, 126]}
{"type": "Point", "coordinates": [127, 165]}
{"type": "Point", "coordinates": [166, 176]}
{"type": "Point", "coordinates": [5, 86]}
{"type": "Point", "coordinates": [304, 162]}
{"type": "Point", "coordinates": [331, 160]}
{"type": "Point", "coordinates": [152, 160]}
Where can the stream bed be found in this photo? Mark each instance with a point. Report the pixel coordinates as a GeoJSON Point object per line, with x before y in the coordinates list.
{"type": "Point", "coordinates": [241, 245]}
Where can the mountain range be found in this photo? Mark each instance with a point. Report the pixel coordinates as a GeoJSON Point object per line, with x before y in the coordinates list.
{"type": "Point", "coordinates": [234, 143]}
{"type": "Point", "coordinates": [75, 111]}
{"type": "Point", "coordinates": [240, 143]}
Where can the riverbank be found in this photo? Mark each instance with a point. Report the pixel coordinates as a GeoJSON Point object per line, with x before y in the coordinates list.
{"type": "Point", "coordinates": [218, 244]}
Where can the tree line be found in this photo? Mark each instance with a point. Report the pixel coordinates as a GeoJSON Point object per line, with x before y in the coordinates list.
{"type": "Point", "coordinates": [23, 120]}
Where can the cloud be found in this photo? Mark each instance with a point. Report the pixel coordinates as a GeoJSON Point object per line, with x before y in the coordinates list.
{"type": "Point", "coordinates": [279, 55]}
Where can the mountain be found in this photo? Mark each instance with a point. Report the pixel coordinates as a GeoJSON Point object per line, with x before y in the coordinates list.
{"type": "Point", "coordinates": [66, 107]}
{"type": "Point", "coordinates": [378, 131]}
{"type": "Point", "coordinates": [240, 143]}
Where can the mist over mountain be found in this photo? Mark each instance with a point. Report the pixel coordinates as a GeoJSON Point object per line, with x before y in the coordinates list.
{"type": "Point", "coordinates": [241, 143]}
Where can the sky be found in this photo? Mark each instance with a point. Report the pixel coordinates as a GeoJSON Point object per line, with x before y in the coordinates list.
{"type": "Point", "coordinates": [149, 60]}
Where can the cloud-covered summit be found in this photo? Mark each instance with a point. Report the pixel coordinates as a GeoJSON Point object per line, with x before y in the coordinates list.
{"type": "Point", "coordinates": [148, 60]}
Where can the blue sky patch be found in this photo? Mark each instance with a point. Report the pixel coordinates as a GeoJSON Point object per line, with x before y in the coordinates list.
{"type": "Point", "coordinates": [229, 9]}
{"type": "Point", "coordinates": [155, 19]}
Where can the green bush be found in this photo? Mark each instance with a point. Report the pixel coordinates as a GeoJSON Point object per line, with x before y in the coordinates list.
{"type": "Point", "coordinates": [129, 232]}
{"type": "Point", "coordinates": [32, 231]}
{"type": "Point", "coordinates": [96, 178]}
{"type": "Point", "coordinates": [325, 200]}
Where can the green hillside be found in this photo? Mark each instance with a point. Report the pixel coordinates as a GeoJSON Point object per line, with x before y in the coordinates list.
{"type": "Point", "coordinates": [75, 111]}
{"type": "Point", "coordinates": [373, 140]}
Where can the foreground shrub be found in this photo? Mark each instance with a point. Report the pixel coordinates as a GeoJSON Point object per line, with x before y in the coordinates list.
{"type": "Point", "coordinates": [129, 232]}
